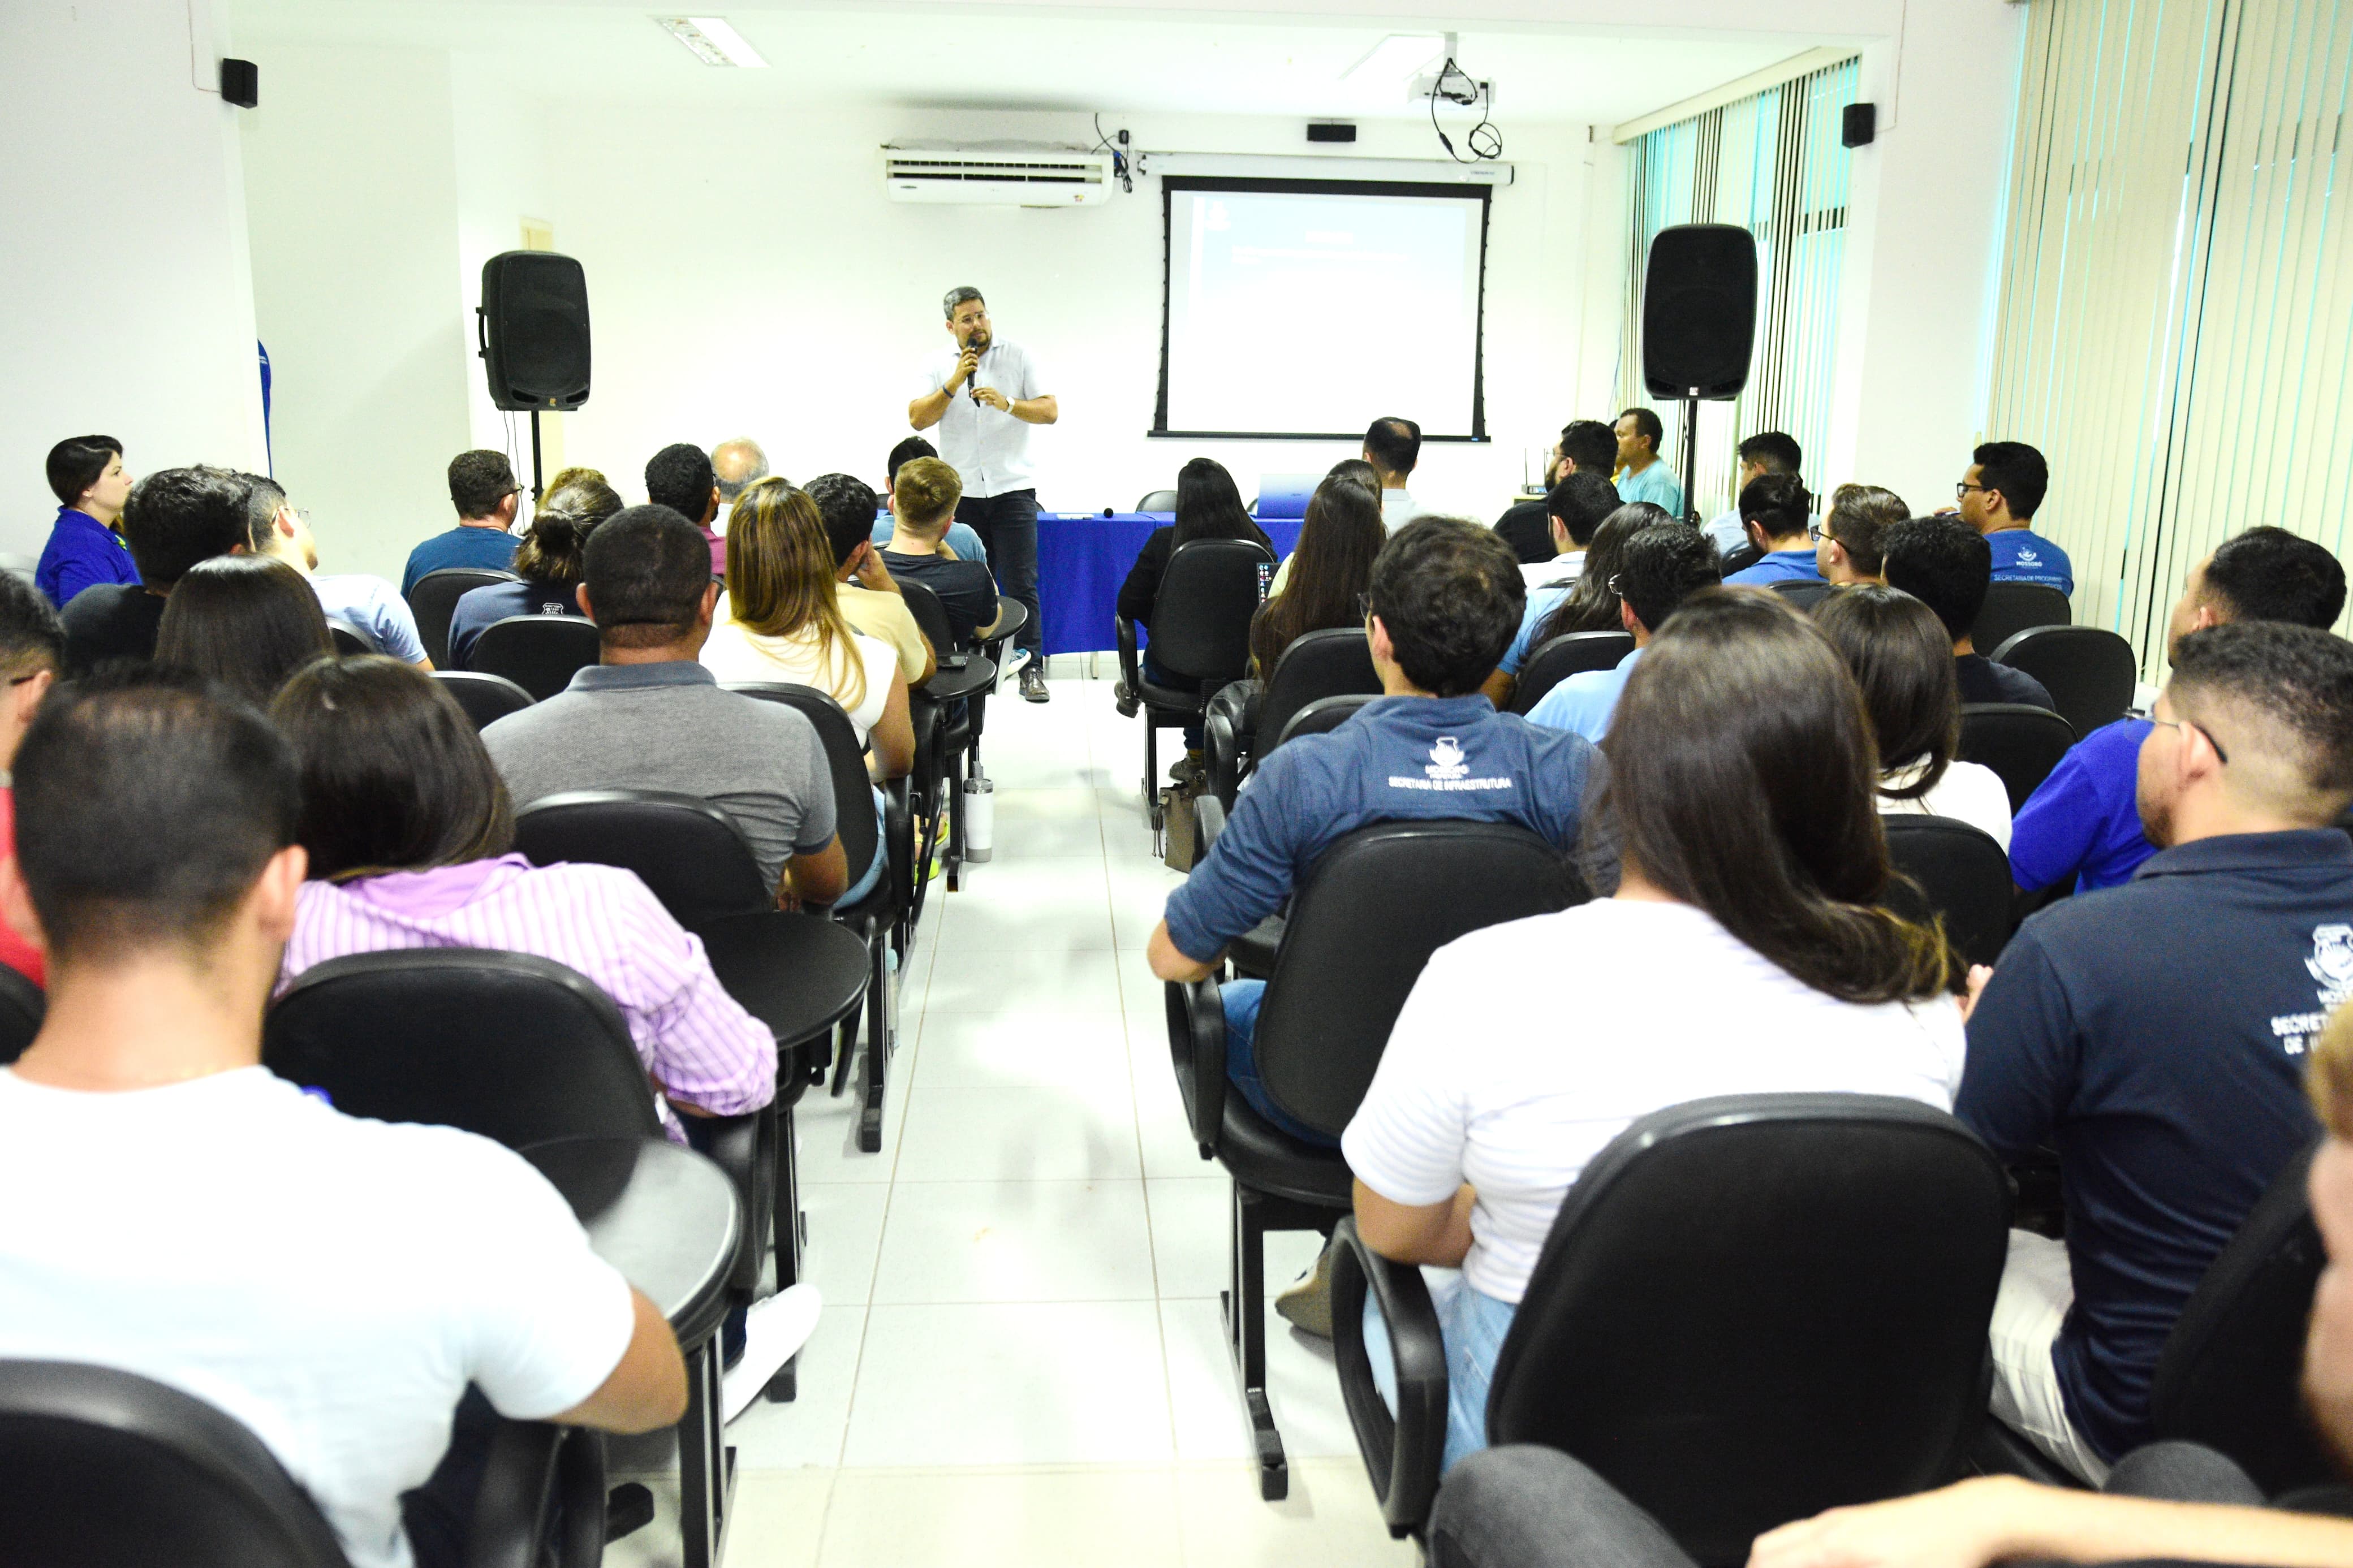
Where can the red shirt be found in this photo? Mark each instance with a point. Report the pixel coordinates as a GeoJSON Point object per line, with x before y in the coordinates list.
{"type": "Point", "coordinates": [16, 951]}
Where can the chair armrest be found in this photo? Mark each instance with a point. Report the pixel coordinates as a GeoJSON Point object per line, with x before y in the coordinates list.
{"type": "Point", "coordinates": [1404, 1451]}
{"type": "Point", "coordinates": [745, 1148]}
{"type": "Point", "coordinates": [1210, 820]}
{"type": "Point", "coordinates": [531, 1467]}
{"type": "Point", "coordinates": [1014, 615]}
{"type": "Point", "coordinates": [1124, 630]}
{"type": "Point", "coordinates": [1197, 1044]}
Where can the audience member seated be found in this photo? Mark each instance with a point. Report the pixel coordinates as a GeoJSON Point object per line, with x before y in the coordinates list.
{"type": "Point", "coordinates": [1642, 474]}
{"type": "Point", "coordinates": [1767, 452]}
{"type": "Point", "coordinates": [964, 542]}
{"type": "Point", "coordinates": [1209, 506]}
{"type": "Point", "coordinates": [32, 653]}
{"type": "Point", "coordinates": [548, 561]}
{"type": "Point", "coordinates": [334, 1284]}
{"type": "Point", "coordinates": [1896, 648]}
{"type": "Point", "coordinates": [650, 716]}
{"type": "Point", "coordinates": [246, 621]}
{"type": "Point", "coordinates": [1573, 511]}
{"type": "Point", "coordinates": [923, 506]}
{"type": "Point", "coordinates": [680, 477]}
{"type": "Point", "coordinates": [2004, 484]}
{"type": "Point", "coordinates": [85, 544]}
{"type": "Point", "coordinates": [736, 465]}
{"type": "Point", "coordinates": [1586, 446]}
{"type": "Point", "coordinates": [1356, 471]}
{"type": "Point", "coordinates": [2172, 1089]}
{"type": "Point", "coordinates": [1944, 564]}
{"type": "Point", "coordinates": [869, 596]}
{"type": "Point", "coordinates": [1393, 446]}
{"type": "Point", "coordinates": [2082, 825]}
{"type": "Point", "coordinates": [483, 489]}
{"type": "Point", "coordinates": [1848, 551]}
{"type": "Point", "coordinates": [1778, 512]}
{"type": "Point", "coordinates": [277, 531]}
{"type": "Point", "coordinates": [1338, 542]}
{"type": "Point", "coordinates": [1763, 944]}
{"type": "Point", "coordinates": [1445, 595]}
{"type": "Point", "coordinates": [1590, 603]}
{"type": "Point", "coordinates": [172, 519]}
{"type": "Point", "coordinates": [1665, 564]}
{"type": "Point", "coordinates": [576, 475]}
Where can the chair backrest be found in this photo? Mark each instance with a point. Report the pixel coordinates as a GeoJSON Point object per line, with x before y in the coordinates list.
{"type": "Point", "coordinates": [433, 599]}
{"type": "Point", "coordinates": [931, 616]}
{"type": "Point", "coordinates": [1803, 593]}
{"type": "Point", "coordinates": [1334, 662]}
{"type": "Point", "coordinates": [23, 1006]}
{"type": "Point", "coordinates": [1362, 922]}
{"type": "Point", "coordinates": [1572, 653]}
{"type": "Point", "coordinates": [1320, 717]}
{"type": "Point", "coordinates": [512, 1045]}
{"type": "Point", "coordinates": [1957, 872]}
{"type": "Point", "coordinates": [2230, 1376]}
{"type": "Point", "coordinates": [109, 1469]}
{"type": "Point", "coordinates": [1157, 500]}
{"type": "Point", "coordinates": [688, 852]}
{"type": "Point", "coordinates": [2012, 607]}
{"type": "Point", "coordinates": [351, 637]}
{"type": "Point", "coordinates": [486, 699]}
{"type": "Point", "coordinates": [1201, 618]}
{"type": "Point", "coordinates": [2089, 672]}
{"type": "Point", "coordinates": [2021, 743]}
{"type": "Point", "coordinates": [1742, 556]}
{"type": "Point", "coordinates": [1753, 1307]}
{"type": "Point", "coordinates": [853, 792]}
{"type": "Point", "coordinates": [539, 653]}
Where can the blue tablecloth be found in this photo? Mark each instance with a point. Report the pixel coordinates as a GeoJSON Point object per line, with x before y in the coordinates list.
{"type": "Point", "coordinates": [1084, 556]}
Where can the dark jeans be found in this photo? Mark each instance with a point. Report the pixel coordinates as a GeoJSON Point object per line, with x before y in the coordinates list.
{"type": "Point", "coordinates": [438, 1514]}
{"type": "Point", "coordinates": [1159, 677]}
{"type": "Point", "coordinates": [1008, 526]}
{"type": "Point", "coordinates": [1242, 999]}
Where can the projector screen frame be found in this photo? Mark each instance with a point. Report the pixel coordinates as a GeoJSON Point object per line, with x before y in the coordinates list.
{"type": "Point", "coordinates": [1170, 184]}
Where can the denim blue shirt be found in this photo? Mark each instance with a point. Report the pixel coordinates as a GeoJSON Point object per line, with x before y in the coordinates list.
{"type": "Point", "coordinates": [2022, 555]}
{"type": "Point", "coordinates": [1583, 703]}
{"type": "Point", "coordinates": [477, 608]}
{"type": "Point", "coordinates": [492, 549]}
{"type": "Point", "coordinates": [1542, 602]}
{"type": "Point", "coordinates": [81, 552]}
{"type": "Point", "coordinates": [1781, 566]}
{"type": "Point", "coordinates": [2082, 825]}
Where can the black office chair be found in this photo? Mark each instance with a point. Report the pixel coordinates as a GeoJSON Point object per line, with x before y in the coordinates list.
{"type": "Point", "coordinates": [1200, 641]}
{"type": "Point", "coordinates": [949, 711]}
{"type": "Point", "coordinates": [1361, 924]}
{"type": "Point", "coordinates": [433, 600]}
{"type": "Point", "coordinates": [486, 699]}
{"type": "Point", "coordinates": [2090, 672]}
{"type": "Point", "coordinates": [1955, 871]}
{"type": "Point", "coordinates": [109, 1469]}
{"type": "Point", "coordinates": [1749, 1309]}
{"type": "Point", "coordinates": [1157, 500]}
{"type": "Point", "coordinates": [1572, 653]}
{"type": "Point", "coordinates": [1803, 593]}
{"type": "Point", "coordinates": [1743, 557]}
{"type": "Point", "coordinates": [23, 1006]}
{"type": "Point", "coordinates": [1333, 662]}
{"type": "Point", "coordinates": [539, 653]}
{"type": "Point", "coordinates": [351, 637]}
{"type": "Point", "coordinates": [2010, 607]}
{"type": "Point", "coordinates": [2016, 740]}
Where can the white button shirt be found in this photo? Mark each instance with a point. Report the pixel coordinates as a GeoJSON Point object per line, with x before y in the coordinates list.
{"type": "Point", "coordinates": [990, 450]}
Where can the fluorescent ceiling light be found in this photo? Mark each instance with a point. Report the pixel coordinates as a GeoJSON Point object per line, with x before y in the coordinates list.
{"type": "Point", "coordinates": [712, 41]}
{"type": "Point", "coordinates": [1397, 57]}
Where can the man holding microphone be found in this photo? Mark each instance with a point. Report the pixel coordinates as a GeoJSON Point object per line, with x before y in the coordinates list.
{"type": "Point", "coordinates": [984, 397]}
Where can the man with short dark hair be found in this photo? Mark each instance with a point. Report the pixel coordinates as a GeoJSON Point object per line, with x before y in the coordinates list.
{"type": "Point", "coordinates": [1848, 548]}
{"type": "Point", "coordinates": [1446, 597]}
{"type": "Point", "coordinates": [1665, 564]}
{"type": "Point", "coordinates": [2005, 483]}
{"type": "Point", "coordinates": [1640, 475]}
{"type": "Point", "coordinates": [2082, 825]}
{"type": "Point", "coordinates": [334, 1284]}
{"type": "Point", "coordinates": [32, 657]}
{"type": "Point", "coordinates": [680, 478]}
{"type": "Point", "coordinates": [1767, 452]}
{"type": "Point", "coordinates": [483, 490]}
{"type": "Point", "coordinates": [1780, 516]}
{"type": "Point", "coordinates": [1528, 527]}
{"type": "Point", "coordinates": [1944, 563]}
{"type": "Point", "coordinates": [1575, 508]}
{"type": "Point", "coordinates": [869, 596]}
{"type": "Point", "coordinates": [275, 529]}
{"type": "Point", "coordinates": [2173, 1090]}
{"type": "Point", "coordinates": [1393, 446]}
{"type": "Point", "coordinates": [172, 518]}
{"type": "Point", "coordinates": [650, 716]}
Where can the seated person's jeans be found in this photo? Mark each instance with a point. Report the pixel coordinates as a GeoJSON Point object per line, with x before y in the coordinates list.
{"type": "Point", "coordinates": [874, 868]}
{"type": "Point", "coordinates": [1159, 677]}
{"type": "Point", "coordinates": [1473, 1326]}
{"type": "Point", "coordinates": [1241, 998]}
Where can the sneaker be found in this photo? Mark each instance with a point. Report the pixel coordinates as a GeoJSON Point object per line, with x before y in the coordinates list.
{"type": "Point", "coordinates": [773, 1331]}
{"type": "Point", "coordinates": [1033, 683]}
{"type": "Point", "coordinates": [1306, 1303]}
{"type": "Point", "coordinates": [1189, 769]}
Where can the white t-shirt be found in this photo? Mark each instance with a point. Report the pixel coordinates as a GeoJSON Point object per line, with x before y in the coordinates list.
{"type": "Point", "coordinates": [333, 1283]}
{"type": "Point", "coordinates": [1515, 1088]}
{"type": "Point", "coordinates": [1970, 792]}
{"type": "Point", "coordinates": [735, 653]}
{"type": "Point", "coordinates": [1398, 509]}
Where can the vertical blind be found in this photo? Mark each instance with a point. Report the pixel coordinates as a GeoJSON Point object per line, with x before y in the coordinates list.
{"type": "Point", "coordinates": [1771, 163]}
{"type": "Point", "coordinates": [2177, 287]}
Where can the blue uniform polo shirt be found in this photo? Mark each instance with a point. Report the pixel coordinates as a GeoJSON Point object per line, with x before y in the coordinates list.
{"type": "Point", "coordinates": [2022, 555]}
{"type": "Point", "coordinates": [1779, 566]}
{"type": "Point", "coordinates": [487, 549]}
{"type": "Point", "coordinates": [2082, 825]}
{"type": "Point", "coordinates": [2155, 1034]}
{"type": "Point", "coordinates": [1396, 758]}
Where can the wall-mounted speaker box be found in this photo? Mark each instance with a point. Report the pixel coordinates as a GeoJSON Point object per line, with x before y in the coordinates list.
{"type": "Point", "coordinates": [240, 82]}
{"type": "Point", "coordinates": [1699, 311]}
{"type": "Point", "coordinates": [533, 326]}
{"type": "Point", "coordinates": [1321, 130]}
{"type": "Point", "coordinates": [1859, 126]}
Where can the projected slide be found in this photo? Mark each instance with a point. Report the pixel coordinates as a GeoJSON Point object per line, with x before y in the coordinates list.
{"type": "Point", "coordinates": [1313, 311]}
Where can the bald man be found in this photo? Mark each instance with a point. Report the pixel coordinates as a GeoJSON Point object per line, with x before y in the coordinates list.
{"type": "Point", "coordinates": [736, 464]}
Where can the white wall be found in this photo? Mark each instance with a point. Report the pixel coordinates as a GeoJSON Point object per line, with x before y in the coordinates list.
{"type": "Point", "coordinates": [126, 306]}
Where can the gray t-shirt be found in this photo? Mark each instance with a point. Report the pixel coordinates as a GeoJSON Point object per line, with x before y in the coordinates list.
{"type": "Point", "coordinates": [669, 726]}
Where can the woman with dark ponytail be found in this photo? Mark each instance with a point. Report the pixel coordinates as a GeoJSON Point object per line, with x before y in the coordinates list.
{"type": "Point", "coordinates": [1743, 954]}
{"type": "Point", "coordinates": [548, 561]}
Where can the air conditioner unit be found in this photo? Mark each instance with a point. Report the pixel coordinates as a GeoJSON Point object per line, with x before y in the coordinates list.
{"type": "Point", "coordinates": [999, 174]}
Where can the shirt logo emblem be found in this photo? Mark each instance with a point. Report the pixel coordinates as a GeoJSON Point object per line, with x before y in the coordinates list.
{"type": "Point", "coordinates": [2332, 959]}
{"type": "Point", "coordinates": [1446, 760]}
{"type": "Point", "coordinates": [2028, 558]}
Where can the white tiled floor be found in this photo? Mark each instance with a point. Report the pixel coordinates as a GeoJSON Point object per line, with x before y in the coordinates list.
{"type": "Point", "coordinates": [1021, 1359]}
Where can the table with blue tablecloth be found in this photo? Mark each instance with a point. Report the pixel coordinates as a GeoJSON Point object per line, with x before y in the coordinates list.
{"type": "Point", "coordinates": [1084, 556]}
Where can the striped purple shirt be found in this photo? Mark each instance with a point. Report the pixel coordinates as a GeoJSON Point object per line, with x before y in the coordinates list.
{"type": "Point", "coordinates": [599, 919]}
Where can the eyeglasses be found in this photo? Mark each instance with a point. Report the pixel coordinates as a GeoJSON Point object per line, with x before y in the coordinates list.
{"type": "Point", "coordinates": [2185, 725]}
{"type": "Point", "coordinates": [20, 679]}
{"type": "Point", "coordinates": [1816, 531]}
{"type": "Point", "coordinates": [1964, 488]}
{"type": "Point", "coordinates": [1364, 607]}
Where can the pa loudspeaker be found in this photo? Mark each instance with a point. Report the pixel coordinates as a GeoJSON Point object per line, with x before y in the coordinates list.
{"type": "Point", "coordinates": [1699, 311]}
{"type": "Point", "coordinates": [534, 327]}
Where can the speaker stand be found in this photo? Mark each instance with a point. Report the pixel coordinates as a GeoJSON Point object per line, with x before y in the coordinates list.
{"type": "Point", "coordinates": [1690, 443]}
{"type": "Point", "coordinates": [536, 486]}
